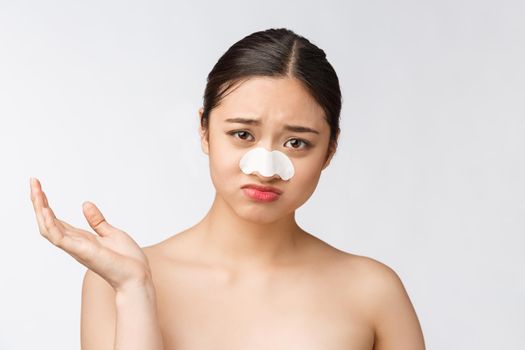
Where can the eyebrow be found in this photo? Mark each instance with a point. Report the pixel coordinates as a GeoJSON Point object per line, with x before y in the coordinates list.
{"type": "Point", "coordinates": [295, 128]}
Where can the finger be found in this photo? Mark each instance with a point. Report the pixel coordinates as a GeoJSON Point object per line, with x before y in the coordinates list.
{"type": "Point", "coordinates": [31, 188]}
{"type": "Point", "coordinates": [44, 197]}
{"type": "Point", "coordinates": [70, 229]}
{"type": "Point", "coordinates": [45, 204]}
{"type": "Point", "coordinates": [80, 248]}
{"type": "Point", "coordinates": [37, 205]}
{"type": "Point", "coordinates": [36, 184]}
{"type": "Point", "coordinates": [96, 220]}
{"type": "Point", "coordinates": [77, 232]}
{"type": "Point", "coordinates": [52, 232]}
{"type": "Point", "coordinates": [56, 230]}
{"type": "Point", "coordinates": [83, 249]}
{"type": "Point", "coordinates": [40, 204]}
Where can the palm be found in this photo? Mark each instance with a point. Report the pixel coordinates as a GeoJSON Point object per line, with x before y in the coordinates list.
{"type": "Point", "coordinates": [112, 254]}
{"type": "Point", "coordinates": [117, 254]}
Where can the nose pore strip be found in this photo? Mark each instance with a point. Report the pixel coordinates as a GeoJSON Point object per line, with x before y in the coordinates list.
{"type": "Point", "coordinates": [267, 163]}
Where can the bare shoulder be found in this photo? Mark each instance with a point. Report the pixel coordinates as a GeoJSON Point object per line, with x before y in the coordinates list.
{"type": "Point", "coordinates": [366, 270]}
{"type": "Point", "coordinates": [374, 274]}
{"type": "Point", "coordinates": [151, 251]}
{"type": "Point", "coordinates": [98, 315]}
{"type": "Point", "coordinates": [174, 248]}
{"type": "Point", "coordinates": [371, 279]}
{"type": "Point", "coordinates": [387, 303]}
{"type": "Point", "coordinates": [165, 248]}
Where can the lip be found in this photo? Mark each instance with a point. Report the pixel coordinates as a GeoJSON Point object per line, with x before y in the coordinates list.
{"type": "Point", "coordinates": [260, 196]}
{"type": "Point", "coordinates": [263, 188]}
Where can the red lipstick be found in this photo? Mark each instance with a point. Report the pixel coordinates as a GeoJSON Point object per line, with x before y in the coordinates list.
{"type": "Point", "coordinates": [261, 193]}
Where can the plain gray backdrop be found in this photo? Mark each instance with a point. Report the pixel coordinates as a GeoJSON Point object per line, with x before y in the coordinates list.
{"type": "Point", "coordinates": [99, 100]}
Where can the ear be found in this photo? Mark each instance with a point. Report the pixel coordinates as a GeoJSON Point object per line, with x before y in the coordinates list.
{"type": "Point", "coordinates": [203, 134]}
{"type": "Point", "coordinates": [328, 158]}
{"type": "Point", "coordinates": [331, 151]}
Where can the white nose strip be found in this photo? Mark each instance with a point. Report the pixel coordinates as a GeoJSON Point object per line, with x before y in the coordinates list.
{"type": "Point", "coordinates": [267, 163]}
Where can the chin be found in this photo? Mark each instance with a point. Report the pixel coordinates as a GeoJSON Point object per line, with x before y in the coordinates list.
{"type": "Point", "coordinates": [259, 213]}
{"type": "Point", "coordinates": [260, 217]}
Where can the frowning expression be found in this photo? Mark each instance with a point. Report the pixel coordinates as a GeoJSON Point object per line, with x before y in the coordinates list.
{"type": "Point", "coordinates": [276, 114]}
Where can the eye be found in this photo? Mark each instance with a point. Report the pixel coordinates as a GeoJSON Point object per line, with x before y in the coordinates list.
{"type": "Point", "coordinates": [298, 142]}
{"type": "Point", "coordinates": [242, 134]}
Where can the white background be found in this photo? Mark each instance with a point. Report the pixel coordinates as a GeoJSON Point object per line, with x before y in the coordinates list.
{"type": "Point", "coordinates": [99, 100]}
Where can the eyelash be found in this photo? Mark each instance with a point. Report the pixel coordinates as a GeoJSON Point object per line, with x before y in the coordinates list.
{"type": "Point", "coordinates": [306, 143]}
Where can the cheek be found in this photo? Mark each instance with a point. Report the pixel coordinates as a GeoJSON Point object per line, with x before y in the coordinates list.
{"type": "Point", "coordinates": [305, 176]}
{"type": "Point", "coordinates": [305, 180]}
{"type": "Point", "coordinates": [224, 169]}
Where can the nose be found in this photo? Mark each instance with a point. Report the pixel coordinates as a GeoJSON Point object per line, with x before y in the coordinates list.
{"type": "Point", "coordinates": [261, 178]}
{"type": "Point", "coordinates": [261, 162]}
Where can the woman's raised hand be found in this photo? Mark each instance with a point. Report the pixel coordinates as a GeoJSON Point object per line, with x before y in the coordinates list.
{"type": "Point", "coordinates": [113, 254]}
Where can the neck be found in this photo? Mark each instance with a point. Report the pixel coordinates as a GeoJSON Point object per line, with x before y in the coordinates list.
{"type": "Point", "coordinates": [235, 242]}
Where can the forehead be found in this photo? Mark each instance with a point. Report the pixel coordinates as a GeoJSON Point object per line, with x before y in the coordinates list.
{"type": "Point", "coordinates": [276, 100]}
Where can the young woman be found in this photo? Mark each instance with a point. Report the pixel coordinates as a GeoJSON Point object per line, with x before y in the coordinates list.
{"type": "Point", "coordinates": [246, 276]}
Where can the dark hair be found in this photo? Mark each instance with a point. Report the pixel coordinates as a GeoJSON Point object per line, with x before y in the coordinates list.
{"type": "Point", "coordinates": [277, 52]}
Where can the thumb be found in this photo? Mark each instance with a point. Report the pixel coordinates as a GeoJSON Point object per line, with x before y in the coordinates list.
{"type": "Point", "coordinates": [96, 220]}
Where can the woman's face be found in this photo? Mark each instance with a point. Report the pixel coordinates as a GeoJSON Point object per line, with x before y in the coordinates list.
{"type": "Point", "coordinates": [274, 103]}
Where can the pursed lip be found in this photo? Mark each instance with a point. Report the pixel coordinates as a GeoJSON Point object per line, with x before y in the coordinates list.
{"type": "Point", "coordinates": [263, 188]}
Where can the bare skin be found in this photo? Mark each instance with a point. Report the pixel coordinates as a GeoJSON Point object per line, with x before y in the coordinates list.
{"type": "Point", "coordinates": [323, 298]}
{"type": "Point", "coordinates": [246, 276]}
{"type": "Point", "coordinates": [121, 265]}
{"type": "Point", "coordinates": [304, 303]}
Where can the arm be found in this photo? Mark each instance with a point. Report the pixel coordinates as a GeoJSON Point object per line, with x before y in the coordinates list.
{"type": "Point", "coordinates": [122, 319]}
{"type": "Point", "coordinates": [119, 310]}
{"type": "Point", "coordinates": [137, 321]}
{"type": "Point", "coordinates": [396, 324]}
